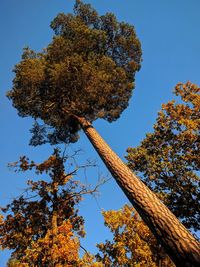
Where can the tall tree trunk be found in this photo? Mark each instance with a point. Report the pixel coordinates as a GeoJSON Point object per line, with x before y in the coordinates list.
{"type": "Point", "coordinates": [179, 244]}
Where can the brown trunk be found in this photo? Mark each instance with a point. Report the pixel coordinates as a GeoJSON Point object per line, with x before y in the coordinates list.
{"type": "Point", "coordinates": [180, 245]}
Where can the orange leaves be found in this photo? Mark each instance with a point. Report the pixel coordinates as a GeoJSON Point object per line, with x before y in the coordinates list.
{"type": "Point", "coordinates": [62, 249]}
{"type": "Point", "coordinates": [132, 244]}
{"type": "Point", "coordinates": [168, 158]}
{"type": "Point", "coordinates": [42, 224]}
{"type": "Point", "coordinates": [88, 260]}
{"type": "Point", "coordinates": [47, 164]}
{"type": "Point", "coordinates": [189, 92]}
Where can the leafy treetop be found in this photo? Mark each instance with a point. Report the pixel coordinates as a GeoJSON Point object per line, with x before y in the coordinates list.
{"type": "Point", "coordinates": [46, 210]}
{"type": "Point", "coordinates": [87, 71]}
{"type": "Point", "coordinates": [168, 159]}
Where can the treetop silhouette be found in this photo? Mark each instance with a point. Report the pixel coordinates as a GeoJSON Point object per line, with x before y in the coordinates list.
{"type": "Point", "coordinates": [87, 71]}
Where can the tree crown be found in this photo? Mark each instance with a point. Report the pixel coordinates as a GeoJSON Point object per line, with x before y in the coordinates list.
{"type": "Point", "coordinates": [168, 159]}
{"type": "Point", "coordinates": [29, 216]}
{"type": "Point", "coordinates": [87, 70]}
{"type": "Point", "coordinates": [133, 244]}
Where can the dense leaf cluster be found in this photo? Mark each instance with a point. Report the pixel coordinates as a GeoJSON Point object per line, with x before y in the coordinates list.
{"type": "Point", "coordinates": [168, 159]}
{"type": "Point", "coordinates": [62, 251]}
{"type": "Point", "coordinates": [87, 71]}
{"type": "Point", "coordinates": [133, 244]}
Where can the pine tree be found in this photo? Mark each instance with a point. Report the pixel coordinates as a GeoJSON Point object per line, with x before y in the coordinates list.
{"type": "Point", "coordinates": [87, 72]}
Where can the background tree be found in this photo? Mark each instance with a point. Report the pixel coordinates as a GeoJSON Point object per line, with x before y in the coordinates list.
{"type": "Point", "coordinates": [133, 244]}
{"type": "Point", "coordinates": [168, 160]}
{"type": "Point", "coordinates": [42, 226]}
{"type": "Point", "coordinates": [87, 72]}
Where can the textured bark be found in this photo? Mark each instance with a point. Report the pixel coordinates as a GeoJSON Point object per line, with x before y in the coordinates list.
{"type": "Point", "coordinates": [178, 242]}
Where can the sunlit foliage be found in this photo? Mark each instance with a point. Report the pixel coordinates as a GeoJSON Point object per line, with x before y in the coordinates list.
{"type": "Point", "coordinates": [87, 70]}
{"type": "Point", "coordinates": [168, 160]}
{"type": "Point", "coordinates": [59, 250]}
{"type": "Point", "coordinates": [133, 244]}
{"type": "Point", "coordinates": [42, 226]}
{"type": "Point", "coordinates": [88, 260]}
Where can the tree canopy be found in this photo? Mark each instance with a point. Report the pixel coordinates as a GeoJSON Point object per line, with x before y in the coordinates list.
{"type": "Point", "coordinates": [133, 244]}
{"type": "Point", "coordinates": [168, 160]}
{"type": "Point", "coordinates": [87, 71]}
{"type": "Point", "coordinates": [42, 226]}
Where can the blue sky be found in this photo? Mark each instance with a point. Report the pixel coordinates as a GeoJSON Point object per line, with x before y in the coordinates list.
{"type": "Point", "coordinates": [169, 32]}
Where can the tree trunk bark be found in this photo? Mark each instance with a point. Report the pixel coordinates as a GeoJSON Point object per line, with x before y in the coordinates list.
{"type": "Point", "coordinates": [180, 245]}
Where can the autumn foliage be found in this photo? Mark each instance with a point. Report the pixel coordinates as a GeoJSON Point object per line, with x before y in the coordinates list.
{"type": "Point", "coordinates": [133, 244]}
{"type": "Point", "coordinates": [87, 72]}
{"type": "Point", "coordinates": [42, 226]}
{"type": "Point", "coordinates": [60, 250]}
{"type": "Point", "coordinates": [168, 160]}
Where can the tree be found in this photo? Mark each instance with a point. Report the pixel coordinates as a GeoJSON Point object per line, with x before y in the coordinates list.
{"type": "Point", "coordinates": [133, 244]}
{"type": "Point", "coordinates": [87, 72]}
{"type": "Point", "coordinates": [61, 249]}
{"type": "Point", "coordinates": [169, 158]}
{"type": "Point", "coordinates": [42, 226]}
{"type": "Point", "coordinates": [90, 64]}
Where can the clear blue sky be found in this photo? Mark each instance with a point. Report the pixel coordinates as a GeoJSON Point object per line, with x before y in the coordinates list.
{"type": "Point", "coordinates": [170, 35]}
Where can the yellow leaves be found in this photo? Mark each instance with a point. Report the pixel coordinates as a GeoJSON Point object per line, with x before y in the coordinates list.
{"type": "Point", "coordinates": [41, 225]}
{"type": "Point", "coordinates": [133, 244]}
{"type": "Point", "coordinates": [189, 124]}
{"type": "Point", "coordinates": [58, 249]}
{"type": "Point", "coordinates": [186, 115]}
{"type": "Point", "coordinates": [189, 92]}
{"type": "Point", "coordinates": [88, 260]}
{"type": "Point", "coordinates": [171, 153]}
{"type": "Point", "coordinates": [17, 263]}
